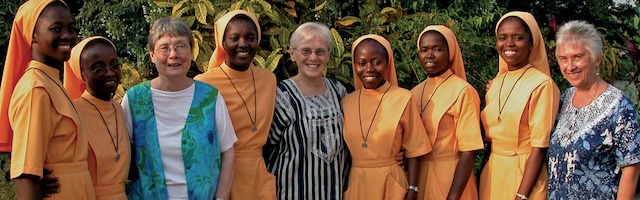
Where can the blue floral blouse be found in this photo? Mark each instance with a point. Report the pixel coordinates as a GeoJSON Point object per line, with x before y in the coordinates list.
{"type": "Point", "coordinates": [590, 145]}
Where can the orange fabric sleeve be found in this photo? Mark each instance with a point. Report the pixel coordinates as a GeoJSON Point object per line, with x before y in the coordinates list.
{"type": "Point", "coordinates": [468, 120]}
{"type": "Point", "coordinates": [414, 140]}
{"type": "Point", "coordinates": [543, 107]}
{"type": "Point", "coordinates": [30, 117]}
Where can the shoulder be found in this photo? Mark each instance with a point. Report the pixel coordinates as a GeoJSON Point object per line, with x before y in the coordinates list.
{"type": "Point", "coordinates": [400, 92]}
{"type": "Point", "coordinates": [340, 89]}
{"type": "Point", "coordinates": [264, 74]}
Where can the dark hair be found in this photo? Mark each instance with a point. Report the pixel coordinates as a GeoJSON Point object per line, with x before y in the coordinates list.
{"type": "Point", "coordinates": [522, 23]}
{"type": "Point", "coordinates": [438, 34]}
{"type": "Point", "coordinates": [386, 54]}
{"type": "Point", "coordinates": [244, 18]}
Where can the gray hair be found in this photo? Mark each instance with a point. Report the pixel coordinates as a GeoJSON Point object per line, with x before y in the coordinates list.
{"type": "Point", "coordinates": [580, 32]}
{"type": "Point", "coordinates": [311, 29]}
{"type": "Point", "coordinates": [174, 27]}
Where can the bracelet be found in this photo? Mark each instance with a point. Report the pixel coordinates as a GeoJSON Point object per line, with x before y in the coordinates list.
{"type": "Point", "coordinates": [521, 196]}
{"type": "Point", "coordinates": [414, 188]}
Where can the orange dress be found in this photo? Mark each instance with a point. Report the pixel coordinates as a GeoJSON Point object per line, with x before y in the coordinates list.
{"type": "Point", "coordinates": [452, 121]}
{"type": "Point", "coordinates": [374, 172]}
{"type": "Point", "coordinates": [48, 133]}
{"type": "Point", "coordinates": [521, 127]}
{"type": "Point", "coordinates": [107, 173]}
{"type": "Point", "coordinates": [251, 180]}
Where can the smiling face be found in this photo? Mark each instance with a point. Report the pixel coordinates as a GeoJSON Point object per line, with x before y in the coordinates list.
{"type": "Point", "coordinates": [100, 69]}
{"type": "Point", "coordinates": [172, 56]}
{"type": "Point", "coordinates": [577, 65]}
{"type": "Point", "coordinates": [434, 53]}
{"type": "Point", "coordinates": [312, 65]}
{"type": "Point", "coordinates": [240, 42]}
{"type": "Point", "coordinates": [371, 60]}
{"type": "Point", "coordinates": [54, 35]}
{"type": "Point", "coordinates": [514, 42]}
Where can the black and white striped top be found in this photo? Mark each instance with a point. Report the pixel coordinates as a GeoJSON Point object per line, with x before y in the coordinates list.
{"type": "Point", "coordinates": [306, 151]}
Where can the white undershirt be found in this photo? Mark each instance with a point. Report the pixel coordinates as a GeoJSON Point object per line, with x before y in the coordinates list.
{"type": "Point", "coordinates": [171, 110]}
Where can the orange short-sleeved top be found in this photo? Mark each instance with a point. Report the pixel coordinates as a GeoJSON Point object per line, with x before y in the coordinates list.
{"type": "Point", "coordinates": [104, 168]}
{"type": "Point", "coordinates": [530, 109]}
{"type": "Point", "coordinates": [450, 113]}
{"type": "Point", "coordinates": [46, 125]}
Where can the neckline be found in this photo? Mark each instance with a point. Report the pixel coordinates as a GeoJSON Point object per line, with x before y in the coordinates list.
{"type": "Point", "coordinates": [573, 94]}
{"type": "Point", "coordinates": [232, 73]}
{"type": "Point", "coordinates": [376, 91]}
{"type": "Point", "coordinates": [310, 96]}
{"type": "Point", "coordinates": [96, 101]}
{"type": "Point", "coordinates": [439, 78]}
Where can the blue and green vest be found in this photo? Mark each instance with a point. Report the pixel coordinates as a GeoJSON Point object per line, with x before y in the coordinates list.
{"type": "Point", "coordinates": [200, 148]}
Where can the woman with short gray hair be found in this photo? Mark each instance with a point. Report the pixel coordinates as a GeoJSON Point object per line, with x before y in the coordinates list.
{"type": "Point", "coordinates": [182, 136]}
{"type": "Point", "coordinates": [305, 149]}
{"type": "Point", "coordinates": [594, 149]}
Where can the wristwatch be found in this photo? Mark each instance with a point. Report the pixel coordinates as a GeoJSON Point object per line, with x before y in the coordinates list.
{"type": "Point", "coordinates": [414, 188]}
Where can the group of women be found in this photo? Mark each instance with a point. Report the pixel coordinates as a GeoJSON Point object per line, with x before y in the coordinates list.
{"type": "Point", "coordinates": [233, 132]}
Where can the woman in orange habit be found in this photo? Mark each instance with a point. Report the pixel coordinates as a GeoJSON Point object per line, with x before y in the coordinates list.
{"type": "Point", "coordinates": [380, 119]}
{"type": "Point", "coordinates": [94, 66]}
{"type": "Point", "coordinates": [249, 93]}
{"type": "Point", "coordinates": [450, 110]}
{"type": "Point", "coordinates": [47, 126]}
{"type": "Point", "coordinates": [522, 103]}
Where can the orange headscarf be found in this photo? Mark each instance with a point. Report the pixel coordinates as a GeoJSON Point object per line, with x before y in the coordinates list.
{"type": "Point", "coordinates": [391, 67]}
{"type": "Point", "coordinates": [219, 54]}
{"type": "Point", "coordinates": [18, 58]}
{"type": "Point", "coordinates": [456, 65]}
{"type": "Point", "coordinates": [73, 82]}
{"type": "Point", "coordinates": [538, 53]}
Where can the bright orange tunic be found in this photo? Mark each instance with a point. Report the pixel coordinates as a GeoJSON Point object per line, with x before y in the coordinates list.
{"type": "Point", "coordinates": [107, 173]}
{"type": "Point", "coordinates": [452, 121]}
{"type": "Point", "coordinates": [251, 179]}
{"type": "Point", "coordinates": [521, 127]}
{"type": "Point", "coordinates": [374, 173]}
{"type": "Point", "coordinates": [48, 133]}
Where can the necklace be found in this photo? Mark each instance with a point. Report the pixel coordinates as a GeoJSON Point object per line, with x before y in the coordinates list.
{"type": "Point", "coordinates": [434, 92]}
{"type": "Point", "coordinates": [253, 119]}
{"type": "Point", "coordinates": [501, 107]}
{"type": "Point", "coordinates": [63, 91]}
{"type": "Point", "coordinates": [365, 138]}
{"type": "Point", "coordinates": [115, 142]}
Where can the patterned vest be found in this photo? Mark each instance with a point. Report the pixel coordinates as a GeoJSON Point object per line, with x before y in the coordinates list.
{"type": "Point", "coordinates": [200, 148]}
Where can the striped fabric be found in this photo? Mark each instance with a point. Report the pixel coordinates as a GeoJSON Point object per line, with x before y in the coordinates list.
{"type": "Point", "coordinates": [306, 151]}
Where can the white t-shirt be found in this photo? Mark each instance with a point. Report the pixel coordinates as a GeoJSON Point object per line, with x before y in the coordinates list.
{"type": "Point", "coordinates": [171, 110]}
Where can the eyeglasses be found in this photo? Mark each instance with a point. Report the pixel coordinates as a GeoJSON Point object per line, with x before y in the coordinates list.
{"type": "Point", "coordinates": [103, 69]}
{"type": "Point", "coordinates": [166, 50]}
{"type": "Point", "coordinates": [308, 51]}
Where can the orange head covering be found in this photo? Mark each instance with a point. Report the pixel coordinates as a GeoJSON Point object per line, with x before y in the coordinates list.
{"type": "Point", "coordinates": [391, 67]}
{"type": "Point", "coordinates": [456, 65]}
{"type": "Point", "coordinates": [73, 82]}
{"type": "Point", "coordinates": [18, 58]}
{"type": "Point", "coordinates": [538, 53]}
{"type": "Point", "coordinates": [219, 54]}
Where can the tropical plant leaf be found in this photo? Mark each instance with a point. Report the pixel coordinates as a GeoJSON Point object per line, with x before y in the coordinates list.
{"type": "Point", "coordinates": [211, 10]}
{"type": "Point", "coordinates": [177, 7]}
{"type": "Point", "coordinates": [259, 60]}
{"type": "Point", "coordinates": [237, 5]}
{"type": "Point", "coordinates": [291, 11]}
{"type": "Point", "coordinates": [265, 5]}
{"type": "Point", "coordinates": [180, 12]}
{"type": "Point", "coordinates": [291, 4]}
{"type": "Point", "coordinates": [201, 12]}
{"type": "Point", "coordinates": [347, 21]}
{"type": "Point", "coordinates": [337, 42]}
{"type": "Point", "coordinates": [164, 3]}
{"type": "Point", "coordinates": [319, 7]}
{"type": "Point", "coordinates": [196, 48]}
{"type": "Point", "coordinates": [389, 10]}
{"type": "Point", "coordinates": [197, 34]}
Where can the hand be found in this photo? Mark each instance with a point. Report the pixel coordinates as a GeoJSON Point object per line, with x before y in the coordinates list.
{"type": "Point", "coordinates": [411, 195]}
{"type": "Point", "coordinates": [400, 158]}
{"type": "Point", "coordinates": [49, 185]}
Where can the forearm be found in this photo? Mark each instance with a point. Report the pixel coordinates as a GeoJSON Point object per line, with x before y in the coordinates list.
{"type": "Point", "coordinates": [628, 182]}
{"type": "Point", "coordinates": [226, 174]}
{"type": "Point", "coordinates": [462, 174]}
{"type": "Point", "coordinates": [413, 168]}
{"type": "Point", "coordinates": [531, 171]}
{"type": "Point", "coordinates": [27, 187]}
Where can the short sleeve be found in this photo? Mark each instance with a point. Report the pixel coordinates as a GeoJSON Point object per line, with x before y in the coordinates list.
{"type": "Point", "coordinates": [468, 120]}
{"type": "Point", "coordinates": [127, 115]}
{"type": "Point", "coordinates": [414, 140]}
{"type": "Point", "coordinates": [30, 115]}
{"type": "Point", "coordinates": [626, 135]}
{"type": "Point", "coordinates": [543, 108]}
{"type": "Point", "coordinates": [282, 116]}
{"type": "Point", "coordinates": [226, 134]}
